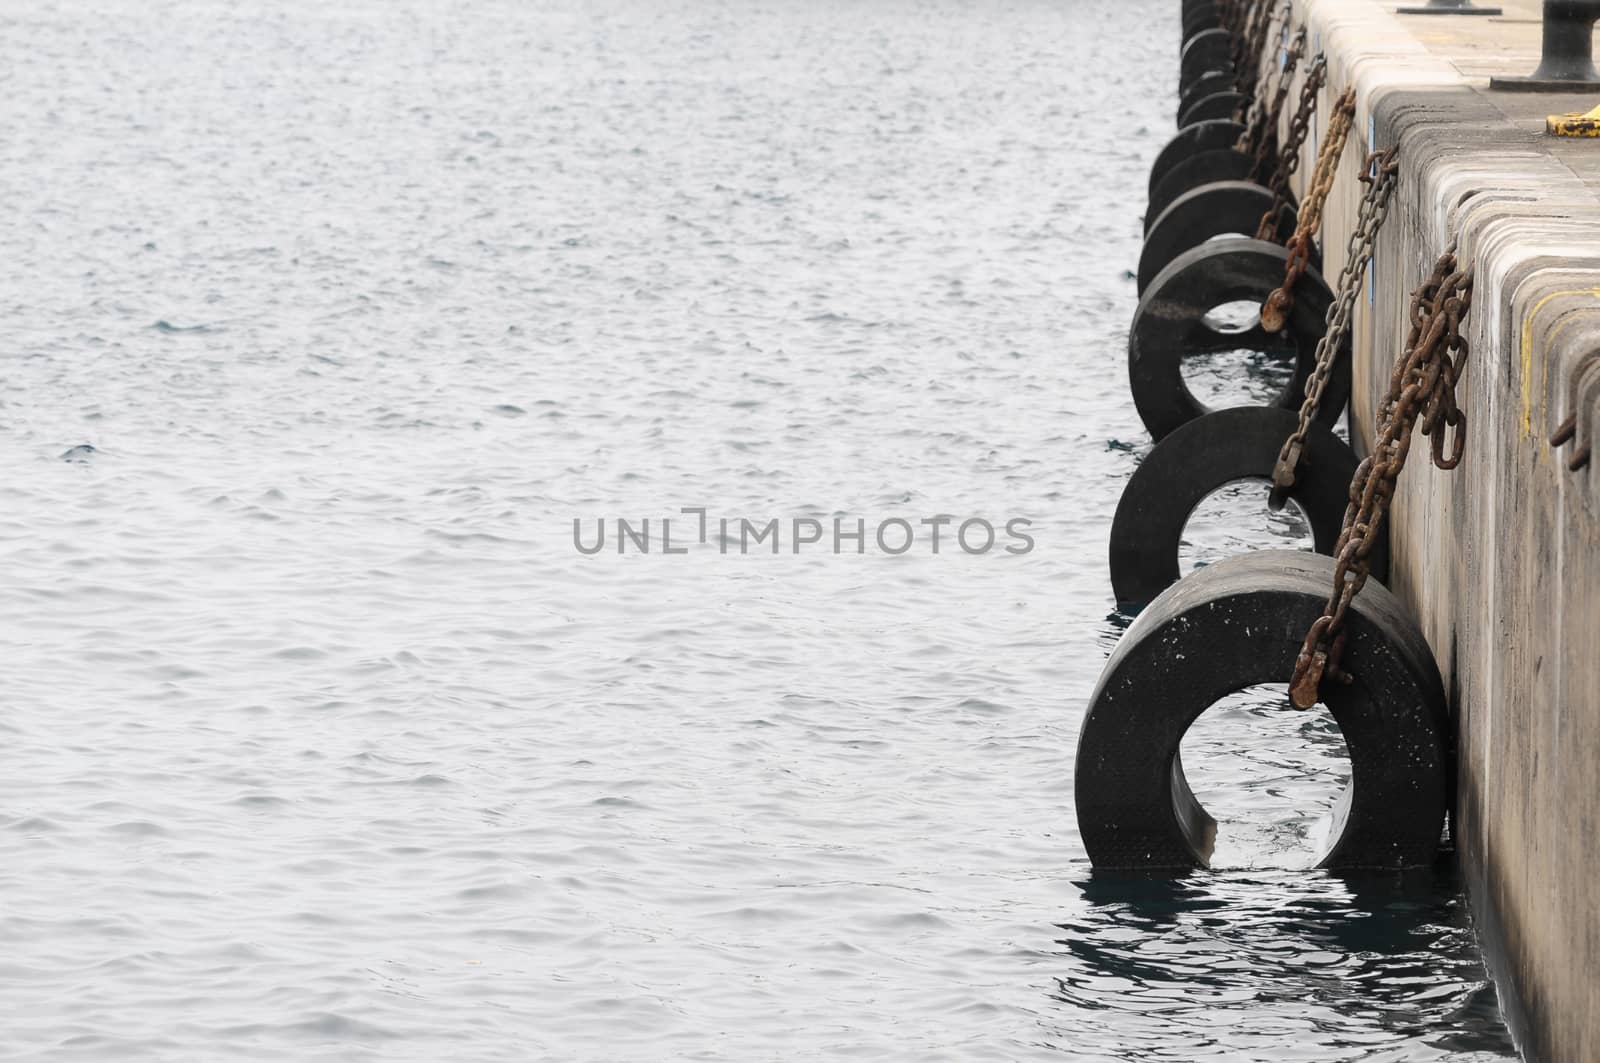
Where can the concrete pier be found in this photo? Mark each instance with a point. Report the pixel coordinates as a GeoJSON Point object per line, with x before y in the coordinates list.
{"type": "Point", "coordinates": [1500, 559]}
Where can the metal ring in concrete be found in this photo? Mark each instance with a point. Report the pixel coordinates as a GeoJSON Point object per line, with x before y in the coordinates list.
{"type": "Point", "coordinates": [1237, 624]}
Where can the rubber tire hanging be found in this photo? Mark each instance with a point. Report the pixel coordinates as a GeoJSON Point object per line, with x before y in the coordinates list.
{"type": "Point", "coordinates": [1169, 325]}
{"type": "Point", "coordinates": [1238, 624]}
{"type": "Point", "coordinates": [1207, 453]}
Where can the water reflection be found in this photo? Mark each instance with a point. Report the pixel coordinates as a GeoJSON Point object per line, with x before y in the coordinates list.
{"type": "Point", "coordinates": [1116, 622]}
{"type": "Point", "coordinates": [1261, 965]}
{"type": "Point", "coordinates": [1236, 518]}
{"type": "Point", "coordinates": [1248, 367]}
{"type": "Point", "coordinates": [328, 743]}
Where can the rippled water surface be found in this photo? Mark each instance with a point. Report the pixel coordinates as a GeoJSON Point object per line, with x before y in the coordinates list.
{"type": "Point", "coordinates": [321, 741]}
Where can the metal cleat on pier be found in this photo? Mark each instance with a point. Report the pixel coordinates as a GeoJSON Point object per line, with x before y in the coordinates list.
{"type": "Point", "coordinates": [1567, 60]}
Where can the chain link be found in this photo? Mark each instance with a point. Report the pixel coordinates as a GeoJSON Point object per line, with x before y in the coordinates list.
{"type": "Point", "coordinates": [1261, 120]}
{"type": "Point", "coordinates": [1324, 173]}
{"type": "Point", "coordinates": [1380, 174]}
{"type": "Point", "coordinates": [1288, 160]}
{"type": "Point", "coordinates": [1231, 15]}
{"type": "Point", "coordinates": [1251, 44]}
{"type": "Point", "coordinates": [1275, 310]}
{"type": "Point", "coordinates": [1422, 386]}
{"type": "Point", "coordinates": [1243, 32]}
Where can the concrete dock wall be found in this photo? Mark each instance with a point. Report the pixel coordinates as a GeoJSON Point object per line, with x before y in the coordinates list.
{"type": "Point", "coordinates": [1500, 559]}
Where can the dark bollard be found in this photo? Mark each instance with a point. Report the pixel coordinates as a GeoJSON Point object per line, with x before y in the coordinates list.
{"type": "Point", "coordinates": [1448, 7]}
{"type": "Point", "coordinates": [1568, 61]}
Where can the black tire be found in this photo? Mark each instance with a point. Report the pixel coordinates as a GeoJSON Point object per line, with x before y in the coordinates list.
{"type": "Point", "coordinates": [1202, 136]}
{"type": "Point", "coordinates": [1204, 168]}
{"type": "Point", "coordinates": [1197, 18]}
{"type": "Point", "coordinates": [1207, 52]}
{"type": "Point", "coordinates": [1200, 214]}
{"type": "Point", "coordinates": [1206, 86]}
{"type": "Point", "coordinates": [1169, 326]}
{"type": "Point", "coordinates": [1210, 108]}
{"type": "Point", "coordinates": [1237, 624]}
{"type": "Point", "coordinates": [1220, 448]}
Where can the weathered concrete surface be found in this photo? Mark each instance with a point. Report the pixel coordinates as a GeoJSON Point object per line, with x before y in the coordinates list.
{"type": "Point", "coordinates": [1500, 560]}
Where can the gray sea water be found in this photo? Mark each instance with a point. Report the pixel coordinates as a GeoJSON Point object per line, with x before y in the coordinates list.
{"type": "Point", "coordinates": [320, 739]}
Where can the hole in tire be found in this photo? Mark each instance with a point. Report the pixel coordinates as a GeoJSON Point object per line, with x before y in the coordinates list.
{"type": "Point", "coordinates": [1235, 519]}
{"type": "Point", "coordinates": [1225, 324]}
{"type": "Point", "coordinates": [1269, 774]}
{"type": "Point", "coordinates": [1239, 376]}
{"type": "Point", "coordinates": [1230, 319]}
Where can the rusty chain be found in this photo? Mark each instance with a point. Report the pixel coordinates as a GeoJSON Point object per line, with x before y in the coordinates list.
{"type": "Point", "coordinates": [1423, 385]}
{"type": "Point", "coordinates": [1288, 159]}
{"type": "Point", "coordinates": [1243, 31]}
{"type": "Point", "coordinates": [1229, 15]}
{"type": "Point", "coordinates": [1275, 310]}
{"type": "Point", "coordinates": [1380, 174]}
{"type": "Point", "coordinates": [1323, 174]}
{"type": "Point", "coordinates": [1251, 44]}
{"type": "Point", "coordinates": [1261, 120]}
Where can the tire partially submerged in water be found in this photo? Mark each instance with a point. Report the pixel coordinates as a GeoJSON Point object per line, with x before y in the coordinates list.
{"type": "Point", "coordinates": [1207, 453]}
{"type": "Point", "coordinates": [1170, 325]}
{"type": "Point", "coordinates": [1237, 624]}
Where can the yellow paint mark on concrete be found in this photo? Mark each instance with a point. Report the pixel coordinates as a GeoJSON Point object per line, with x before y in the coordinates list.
{"type": "Point", "coordinates": [1527, 352]}
{"type": "Point", "coordinates": [1574, 125]}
